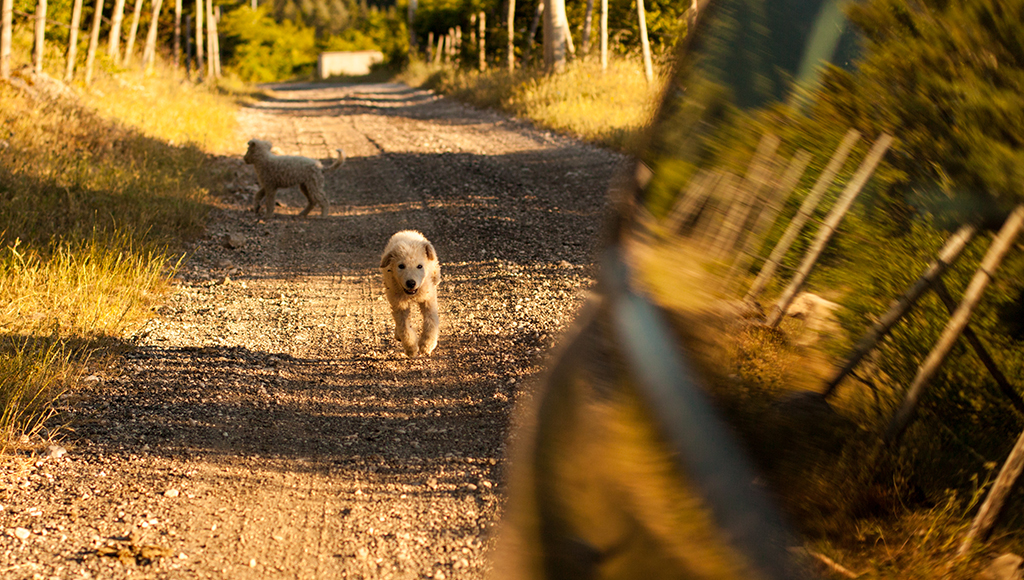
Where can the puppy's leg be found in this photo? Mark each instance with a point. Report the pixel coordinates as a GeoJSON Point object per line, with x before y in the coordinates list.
{"type": "Point", "coordinates": [257, 199]}
{"type": "Point", "coordinates": [431, 326]}
{"type": "Point", "coordinates": [271, 200]}
{"type": "Point", "coordinates": [404, 331]}
{"type": "Point", "coordinates": [310, 200]}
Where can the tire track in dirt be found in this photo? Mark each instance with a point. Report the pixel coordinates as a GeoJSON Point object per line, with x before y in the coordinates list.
{"type": "Point", "coordinates": [269, 396]}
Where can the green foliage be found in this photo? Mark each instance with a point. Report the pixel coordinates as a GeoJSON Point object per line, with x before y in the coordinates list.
{"type": "Point", "coordinates": [948, 79]}
{"type": "Point", "coordinates": [264, 50]}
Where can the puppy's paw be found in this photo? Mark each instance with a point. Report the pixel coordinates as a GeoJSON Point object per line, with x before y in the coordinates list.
{"type": "Point", "coordinates": [427, 349]}
{"type": "Point", "coordinates": [412, 351]}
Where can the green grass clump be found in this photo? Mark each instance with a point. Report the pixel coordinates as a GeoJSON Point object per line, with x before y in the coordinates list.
{"type": "Point", "coordinates": [609, 107]}
{"type": "Point", "coordinates": [99, 188]}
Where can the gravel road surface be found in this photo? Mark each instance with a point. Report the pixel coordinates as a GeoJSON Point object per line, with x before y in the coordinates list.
{"type": "Point", "coordinates": [268, 424]}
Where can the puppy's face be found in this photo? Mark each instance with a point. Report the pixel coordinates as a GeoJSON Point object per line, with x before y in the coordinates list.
{"type": "Point", "coordinates": [410, 265]}
{"type": "Point", "coordinates": [255, 146]}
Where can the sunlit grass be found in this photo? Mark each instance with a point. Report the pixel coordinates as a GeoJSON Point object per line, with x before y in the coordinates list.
{"type": "Point", "coordinates": [99, 189]}
{"type": "Point", "coordinates": [609, 107]}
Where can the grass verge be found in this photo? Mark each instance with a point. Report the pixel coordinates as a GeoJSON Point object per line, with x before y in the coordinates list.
{"type": "Point", "coordinates": [606, 107]}
{"type": "Point", "coordinates": [100, 188]}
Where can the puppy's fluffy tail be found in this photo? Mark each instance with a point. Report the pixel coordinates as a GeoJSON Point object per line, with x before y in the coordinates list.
{"type": "Point", "coordinates": [339, 161]}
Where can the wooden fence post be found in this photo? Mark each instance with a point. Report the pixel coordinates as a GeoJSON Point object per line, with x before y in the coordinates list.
{"type": "Point", "coordinates": [76, 23]}
{"type": "Point", "coordinates": [689, 201]}
{"type": "Point", "coordinates": [129, 46]}
{"type": "Point", "coordinates": [94, 40]}
{"type": "Point", "coordinates": [757, 176]}
{"type": "Point", "coordinates": [769, 210]}
{"type": "Point", "coordinates": [114, 41]}
{"type": "Point", "coordinates": [149, 53]}
{"type": "Point", "coordinates": [803, 214]}
{"type": "Point", "coordinates": [6, 18]}
{"type": "Point", "coordinates": [954, 245]}
{"type": "Point", "coordinates": [1002, 487]}
{"type": "Point", "coordinates": [828, 228]}
{"type": "Point", "coordinates": [979, 348]}
{"type": "Point", "coordinates": [645, 45]}
{"type": "Point", "coordinates": [1000, 246]}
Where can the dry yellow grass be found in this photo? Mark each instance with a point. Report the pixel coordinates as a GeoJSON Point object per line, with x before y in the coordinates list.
{"type": "Point", "coordinates": [98, 191]}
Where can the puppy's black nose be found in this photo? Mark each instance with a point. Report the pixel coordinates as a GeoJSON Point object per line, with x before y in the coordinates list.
{"type": "Point", "coordinates": [410, 284]}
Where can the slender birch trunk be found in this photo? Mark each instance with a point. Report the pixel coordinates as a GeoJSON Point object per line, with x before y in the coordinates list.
{"type": "Point", "coordinates": [199, 39]}
{"type": "Point", "coordinates": [604, 35]}
{"type": "Point", "coordinates": [76, 23]}
{"type": "Point", "coordinates": [511, 47]}
{"type": "Point", "coordinates": [149, 54]}
{"type": "Point", "coordinates": [6, 18]}
{"type": "Point", "coordinates": [645, 45]}
{"type": "Point", "coordinates": [531, 35]}
{"type": "Point", "coordinates": [211, 71]}
{"type": "Point", "coordinates": [481, 21]}
{"type": "Point", "coordinates": [94, 41]}
{"type": "Point", "coordinates": [40, 37]}
{"type": "Point", "coordinates": [588, 25]}
{"type": "Point", "coordinates": [129, 46]}
{"type": "Point", "coordinates": [410, 19]}
{"type": "Point", "coordinates": [177, 35]}
{"type": "Point", "coordinates": [114, 42]}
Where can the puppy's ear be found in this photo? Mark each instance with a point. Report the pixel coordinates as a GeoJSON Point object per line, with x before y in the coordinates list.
{"type": "Point", "coordinates": [429, 249]}
{"type": "Point", "coordinates": [386, 259]}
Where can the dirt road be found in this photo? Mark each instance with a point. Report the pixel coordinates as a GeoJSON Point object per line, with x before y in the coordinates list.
{"type": "Point", "coordinates": [268, 425]}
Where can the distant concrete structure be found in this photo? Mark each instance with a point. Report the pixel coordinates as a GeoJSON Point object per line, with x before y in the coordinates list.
{"type": "Point", "coordinates": [352, 63]}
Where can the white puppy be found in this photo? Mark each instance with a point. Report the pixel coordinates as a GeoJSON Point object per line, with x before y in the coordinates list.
{"type": "Point", "coordinates": [411, 275]}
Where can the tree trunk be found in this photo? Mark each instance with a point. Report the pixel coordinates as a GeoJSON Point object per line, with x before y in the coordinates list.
{"type": "Point", "coordinates": [828, 228]}
{"type": "Point", "coordinates": [114, 42]}
{"type": "Point", "coordinates": [430, 46]}
{"type": "Point", "coordinates": [76, 23]}
{"type": "Point", "coordinates": [806, 209]}
{"type": "Point", "coordinates": [216, 42]}
{"type": "Point", "coordinates": [149, 54]}
{"type": "Point", "coordinates": [950, 251]}
{"type": "Point", "coordinates": [6, 17]}
{"type": "Point", "coordinates": [177, 35]}
{"type": "Point", "coordinates": [1000, 246]}
{"type": "Point", "coordinates": [644, 44]}
{"type": "Point", "coordinates": [410, 19]}
{"type": "Point", "coordinates": [199, 39]}
{"type": "Point", "coordinates": [531, 35]}
{"type": "Point", "coordinates": [188, 46]}
{"type": "Point", "coordinates": [555, 28]}
{"type": "Point", "coordinates": [94, 40]}
{"type": "Point", "coordinates": [588, 24]}
{"type": "Point", "coordinates": [132, 31]}
{"type": "Point", "coordinates": [211, 71]}
{"type": "Point", "coordinates": [604, 35]}
{"type": "Point", "coordinates": [40, 40]}
{"type": "Point", "coordinates": [481, 21]}
{"type": "Point", "coordinates": [511, 48]}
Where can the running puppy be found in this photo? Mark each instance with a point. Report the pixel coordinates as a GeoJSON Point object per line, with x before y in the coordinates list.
{"type": "Point", "coordinates": [279, 171]}
{"type": "Point", "coordinates": [411, 275]}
